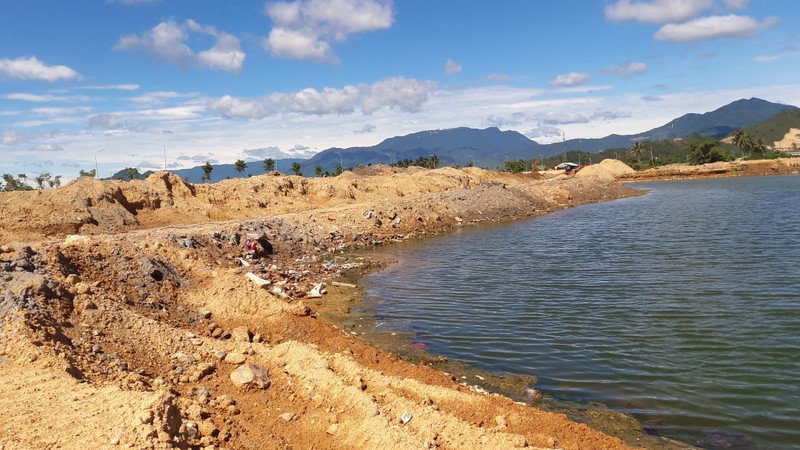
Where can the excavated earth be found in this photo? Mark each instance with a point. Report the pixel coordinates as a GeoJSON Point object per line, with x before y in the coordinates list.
{"type": "Point", "coordinates": [131, 316]}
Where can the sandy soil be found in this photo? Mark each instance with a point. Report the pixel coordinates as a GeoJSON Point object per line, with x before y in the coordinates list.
{"type": "Point", "coordinates": [132, 317]}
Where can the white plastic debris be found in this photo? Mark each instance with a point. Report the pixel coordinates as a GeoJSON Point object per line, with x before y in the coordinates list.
{"type": "Point", "coordinates": [260, 282]}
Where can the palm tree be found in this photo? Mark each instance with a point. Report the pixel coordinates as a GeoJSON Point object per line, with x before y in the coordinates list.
{"type": "Point", "coordinates": [296, 169]}
{"type": "Point", "coordinates": [637, 150]}
{"type": "Point", "coordinates": [207, 168]}
{"type": "Point", "coordinates": [318, 170]}
{"type": "Point", "coordinates": [240, 165]}
{"type": "Point", "coordinates": [740, 139]}
{"type": "Point", "coordinates": [269, 165]}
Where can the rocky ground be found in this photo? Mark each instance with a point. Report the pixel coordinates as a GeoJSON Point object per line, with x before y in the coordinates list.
{"type": "Point", "coordinates": [133, 315]}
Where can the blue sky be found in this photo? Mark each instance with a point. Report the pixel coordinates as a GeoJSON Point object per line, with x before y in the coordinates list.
{"type": "Point", "coordinates": [121, 83]}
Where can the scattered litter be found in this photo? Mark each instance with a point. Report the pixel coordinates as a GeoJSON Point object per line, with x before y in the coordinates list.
{"type": "Point", "coordinates": [340, 284]}
{"type": "Point", "coordinates": [405, 417]}
{"type": "Point", "coordinates": [260, 282]}
{"type": "Point", "coordinates": [367, 215]}
{"type": "Point", "coordinates": [317, 291]}
{"type": "Point", "coordinates": [244, 262]}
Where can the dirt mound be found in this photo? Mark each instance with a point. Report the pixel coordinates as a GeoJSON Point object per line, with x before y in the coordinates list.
{"type": "Point", "coordinates": [118, 333]}
{"type": "Point", "coordinates": [607, 168]}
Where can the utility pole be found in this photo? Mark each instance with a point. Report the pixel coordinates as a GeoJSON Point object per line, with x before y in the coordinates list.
{"type": "Point", "coordinates": [96, 171]}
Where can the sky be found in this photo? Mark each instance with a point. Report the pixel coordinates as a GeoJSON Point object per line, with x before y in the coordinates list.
{"type": "Point", "coordinates": [110, 84]}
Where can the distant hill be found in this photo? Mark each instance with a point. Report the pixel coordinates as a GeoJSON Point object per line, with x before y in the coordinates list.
{"type": "Point", "coordinates": [491, 147]}
{"type": "Point", "coordinates": [714, 124]}
{"type": "Point", "coordinates": [776, 127]}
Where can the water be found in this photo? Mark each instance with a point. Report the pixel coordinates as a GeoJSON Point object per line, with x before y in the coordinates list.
{"type": "Point", "coordinates": [681, 307]}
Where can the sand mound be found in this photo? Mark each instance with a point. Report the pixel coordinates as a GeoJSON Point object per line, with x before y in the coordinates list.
{"type": "Point", "coordinates": [607, 168]}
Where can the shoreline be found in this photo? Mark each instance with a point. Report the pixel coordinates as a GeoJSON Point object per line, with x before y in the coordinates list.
{"type": "Point", "coordinates": [134, 289]}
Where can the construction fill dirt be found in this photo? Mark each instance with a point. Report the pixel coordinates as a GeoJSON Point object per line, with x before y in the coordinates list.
{"type": "Point", "coordinates": [162, 314]}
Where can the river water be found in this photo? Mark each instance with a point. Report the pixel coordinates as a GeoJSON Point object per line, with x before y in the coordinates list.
{"type": "Point", "coordinates": [680, 307]}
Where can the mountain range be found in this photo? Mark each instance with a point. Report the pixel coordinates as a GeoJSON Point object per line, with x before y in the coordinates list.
{"type": "Point", "coordinates": [490, 147]}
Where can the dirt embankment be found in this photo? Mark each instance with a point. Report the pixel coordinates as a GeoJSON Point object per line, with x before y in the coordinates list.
{"type": "Point", "coordinates": [133, 317]}
{"type": "Point", "coordinates": [784, 166]}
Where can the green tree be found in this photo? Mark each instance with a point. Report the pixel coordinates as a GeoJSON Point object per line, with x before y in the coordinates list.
{"type": "Point", "coordinates": [84, 173]}
{"type": "Point", "coordinates": [15, 184]}
{"type": "Point", "coordinates": [740, 139]}
{"type": "Point", "coordinates": [269, 165]}
{"type": "Point", "coordinates": [240, 166]}
{"type": "Point", "coordinates": [42, 179]}
{"type": "Point", "coordinates": [636, 150]}
{"type": "Point", "coordinates": [296, 169]}
{"type": "Point", "coordinates": [318, 170]}
{"type": "Point", "coordinates": [207, 168]}
{"type": "Point", "coordinates": [54, 182]}
{"type": "Point", "coordinates": [706, 152]}
{"type": "Point", "coordinates": [132, 173]}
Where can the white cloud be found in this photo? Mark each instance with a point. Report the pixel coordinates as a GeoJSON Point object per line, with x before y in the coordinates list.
{"type": "Point", "coordinates": [108, 122]}
{"type": "Point", "coordinates": [397, 93]}
{"type": "Point", "coordinates": [736, 4]}
{"type": "Point", "coordinates": [766, 58]}
{"type": "Point", "coordinates": [54, 111]}
{"type": "Point", "coordinates": [496, 77]}
{"type": "Point", "coordinates": [627, 70]}
{"type": "Point", "coordinates": [452, 67]}
{"type": "Point", "coordinates": [304, 28]}
{"type": "Point", "coordinates": [166, 41]}
{"type": "Point", "coordinates": [296, 44]}
{"type": "Point", "coordinates": [713, 27]}
{"type": "Point", "coordinates": [114, 87]}
{"type": "Point", "coordinates": [400, 94]}
{"type": "Point", "coordinates": [326, 101]}
{"type": "Point", "coordinates": [570, 79]}
{"type": "Point", "coordinates": [38, 98]}
{"type": "Point", "coordinates": [652, 98]}
{"type": "Point", "coordinates": [562, 118]}
{"type": "Point", "coordinates": [34, 69]}
{"type": "Point", "coordinates": [656, 11]}
{"type": "Point", "coordinates": [543, 130]}
{"type": "Point", "coordinates": [230, 107]}
{"type": "Point", "coordinates": [47, 148]}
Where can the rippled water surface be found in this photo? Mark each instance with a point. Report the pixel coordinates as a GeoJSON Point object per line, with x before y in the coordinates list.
{"type": "Point", "coordinates": [681, 307]}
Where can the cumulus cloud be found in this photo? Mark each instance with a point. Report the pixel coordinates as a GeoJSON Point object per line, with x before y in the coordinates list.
{"type": "Point", "coordinates": [397, 93]}
{"type": "Point", "coordinates": [570, 79]}
{"type": "Point", "coordinates": [392, 93]}
{"type": "Point", "coordinates": [303, 29]}
{"type": "Point", "coordinates": [543, 130]}
{"type": "Point", "coordinates": [166, 42]}
{"type": "Point", "coordinates": [713, 27]}
{"type": "Point", "coordinates": [108, 122]}
{"type": "Point", "coordinates": [11, 138]}
{"type": "Point", "coordinates": [452, 67]}
{"type": "Point", "coordinates": [229, 107]}
{"type": "Point", "coordinates": [627, 70]}
{"type": "Point", "coordinates": [33, 69]}
{"type": "Point", "coordinates": [656, 11]}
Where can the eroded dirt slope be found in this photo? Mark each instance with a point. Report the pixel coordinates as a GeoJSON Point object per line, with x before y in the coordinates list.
{"type": "Point", "coordinates": [129, 320]}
